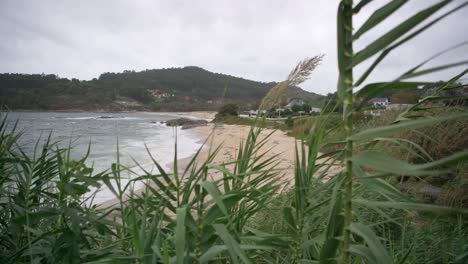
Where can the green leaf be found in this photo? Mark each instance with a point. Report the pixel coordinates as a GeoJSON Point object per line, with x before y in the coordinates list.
{"type": "Point", "coordinates": [360, 5]}
{"type": "Point", "coordinates": [413, 206]}
{"type": "Point", "coordinates": [341, 37]}
{"type": "Point", "coordinates": [404, 40]}
{"type": "Point", "coordinates": [213, 190]}
{"type": "Point", "coordinates": [396, 33]}
{"type": "Point", "coordinates": [408, 145]}
{"type": "Point", "coordinates": [381, 186]}
{"type": "Point", "coordinates": [403, 126]}
{"type": "Point", "coordinates": [405, 257]}
{"type": "Point", "coordinates": [289, 218]}
{"type": "Point", "coordinates": [379, 252]}
{"type": "Point", "coordinates": [454, 158]}
{"type": "Point", "coordinates": [180, 234]}
{"type": "Point", "coordinates": [233, 247]}
{"type": "Point", "coordinates": [335, 227]}
{"type": "Point", "coordinates": [215, 250]}
{"type": "Point", "coordinates": [392, 166]}
{"type": "Point", "coordinates": [388, 164]}
{"type": "Point", "coordinates": [378, 16]}
{"type": "Point", "coordinates": [434, 69]}
{"type": "Point", "coordinates": [404, 115]}
{"type": "Point", "coordinates": [363, 251]}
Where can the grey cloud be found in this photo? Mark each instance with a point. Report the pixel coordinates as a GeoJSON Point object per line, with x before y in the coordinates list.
{"type": "Point", "coordinates": [258, 39]}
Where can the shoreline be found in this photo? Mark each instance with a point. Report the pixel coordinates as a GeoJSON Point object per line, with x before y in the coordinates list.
{"type": "Point", "coordinates": [196, 113]}
{"type": "Point", "coordinates": [229, 137]}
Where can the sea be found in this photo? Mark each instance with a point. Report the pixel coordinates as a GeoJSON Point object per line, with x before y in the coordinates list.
{"type": "Point", "coordinates": [133, 135]}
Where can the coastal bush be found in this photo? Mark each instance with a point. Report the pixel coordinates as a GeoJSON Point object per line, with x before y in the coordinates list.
{"type": "Point", "coordinates": [228, 110]}
{"type": "Point", "coordinates": [289, 122]}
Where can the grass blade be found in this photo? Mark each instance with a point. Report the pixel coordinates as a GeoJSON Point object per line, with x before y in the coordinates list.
{"type": "Point", "coordinates": [396, 33]}
{"type": "Point", "coordinates": [400, 127]}
{"type": "Point", "coordinates": [413, 206]}
{"type": "Point", "coordinates": [232, 246]}
{"type": "Point", "coordinates": [378, 16]}
{"type": "Point", "coordinates": [180, 238]}
{"type": "Point", "coordinates": [373, 242]}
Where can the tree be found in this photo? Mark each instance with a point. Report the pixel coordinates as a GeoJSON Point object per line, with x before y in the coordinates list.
{"type": "Point", "coordinates": [289, 122]}
{"type": "Point", "coordinates": [228, 110]}
{"type": "Point", "coordinates": [306, 108]}
{"type": "Point", "coordinates": [296, 108]}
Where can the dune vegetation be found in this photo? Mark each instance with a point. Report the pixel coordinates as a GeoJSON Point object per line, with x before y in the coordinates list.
{"type": "Point", "coordinates": [359, 215]}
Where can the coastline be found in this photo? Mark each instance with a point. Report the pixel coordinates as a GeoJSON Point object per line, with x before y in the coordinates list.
{"type": "Point", "coordinates": [229, 137]}
{"type": "Point", "coordinates": [279, 144]}
{"type": "Point", "coordinates": [206, 115]}
{"type": "Point", "coordinates": [193, 114]}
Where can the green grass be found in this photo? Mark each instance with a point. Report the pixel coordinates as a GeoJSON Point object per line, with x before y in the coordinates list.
{"type": "Point", "coordinates": [183, 217]}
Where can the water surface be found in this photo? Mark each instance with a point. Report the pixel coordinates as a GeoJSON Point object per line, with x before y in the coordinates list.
{"type": "Point", "coordinates": [132, 131]}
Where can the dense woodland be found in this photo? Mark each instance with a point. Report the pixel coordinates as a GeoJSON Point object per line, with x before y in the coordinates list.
{"type": "Point", "coordinates": [188, 88]}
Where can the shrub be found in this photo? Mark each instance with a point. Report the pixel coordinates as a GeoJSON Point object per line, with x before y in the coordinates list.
{"type": "Point", "coordinates": [296, 108]}
{"type": "Point", "coordinates": [228, 110]}
{"type": "Point", "coordinates": [289, 122]}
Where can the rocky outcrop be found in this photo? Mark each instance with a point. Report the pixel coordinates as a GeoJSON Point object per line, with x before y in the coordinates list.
{"type": "Point", "coordinates": [186, 123]}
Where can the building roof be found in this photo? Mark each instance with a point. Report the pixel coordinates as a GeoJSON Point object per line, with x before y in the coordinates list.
{"type": "Point", "coordinates": [379, 100]}
{"type": "Point", "coordinates": [295, 101]}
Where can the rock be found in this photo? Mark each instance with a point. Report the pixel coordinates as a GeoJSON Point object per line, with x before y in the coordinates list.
{"type": "Point", "coordinates": [430, 193]}
{"type": "Point", "coordinates": [186, 123]}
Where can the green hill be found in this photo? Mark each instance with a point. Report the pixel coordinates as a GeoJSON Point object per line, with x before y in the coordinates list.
{"type": "Point", "coordinates": [172, 89]}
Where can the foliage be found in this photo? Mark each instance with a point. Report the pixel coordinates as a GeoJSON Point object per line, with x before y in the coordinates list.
{"type": "Point", "coordinates": [228, 110]}
{"type": "Point", "coordinates": [289, 122]}
{"type": "Point", "coordinates": [405, 97]}
{"type": "Point", "coordinates": [296, 108]}
{"type": "Point", "coordinates": [341, 208]}
{"type": "Point", "coordinates": [192, 88]}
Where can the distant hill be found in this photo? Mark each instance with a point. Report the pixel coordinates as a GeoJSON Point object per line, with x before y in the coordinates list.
{"type": "Point", "coordinates": [173, 89]}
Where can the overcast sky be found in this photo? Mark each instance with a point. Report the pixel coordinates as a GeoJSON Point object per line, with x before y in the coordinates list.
{"type": "Point", "coordinates": [259, 40]}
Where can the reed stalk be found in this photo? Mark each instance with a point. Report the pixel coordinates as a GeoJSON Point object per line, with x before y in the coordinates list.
{"type": "Point", "coordinates": [345, 39]}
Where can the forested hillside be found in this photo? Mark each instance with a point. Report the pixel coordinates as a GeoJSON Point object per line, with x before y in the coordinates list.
{"type": "Point", "coordinates": [188, 88]}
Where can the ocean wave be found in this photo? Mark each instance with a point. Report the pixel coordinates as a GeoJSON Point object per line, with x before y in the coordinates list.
{"type": "Point", "coordinates": [79, 118]}
{"type": "Point", "coordinates": [161, 147]}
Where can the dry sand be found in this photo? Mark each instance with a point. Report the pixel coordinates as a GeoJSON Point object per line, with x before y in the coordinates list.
{"type": "Point", "coordinates": [229, 137]}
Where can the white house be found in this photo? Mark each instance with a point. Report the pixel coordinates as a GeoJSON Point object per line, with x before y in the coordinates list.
{"type": "Point", "coordinates": [379, 102]}
{"type": "Point", "coordinates": [294, 102]}
{"type": "Point", "coordinates": [315, 110]}
{"type": "Point", "coordinates": [253, 112]}
{"type": "Point", "coordinates": [398, 106]}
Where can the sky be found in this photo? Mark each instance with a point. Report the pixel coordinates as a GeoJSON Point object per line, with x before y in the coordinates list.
{"type": "Point", "coordinates": [260, 40]}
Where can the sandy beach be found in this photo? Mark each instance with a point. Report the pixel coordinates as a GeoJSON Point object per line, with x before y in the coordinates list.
{"type": "Point", "coordinates": [229, 137]}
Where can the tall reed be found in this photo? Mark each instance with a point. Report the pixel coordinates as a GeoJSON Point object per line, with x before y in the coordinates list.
{"type": "Point", "coordinates": [342, 207]}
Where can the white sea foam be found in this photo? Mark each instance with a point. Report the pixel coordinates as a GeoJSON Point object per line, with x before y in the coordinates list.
{"type": "Point", "coordinates": [162, 149]}
{"type": "Point", "coordinates": [131, 130]}
{"type": "Point", "coordinates": [79, 118]}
